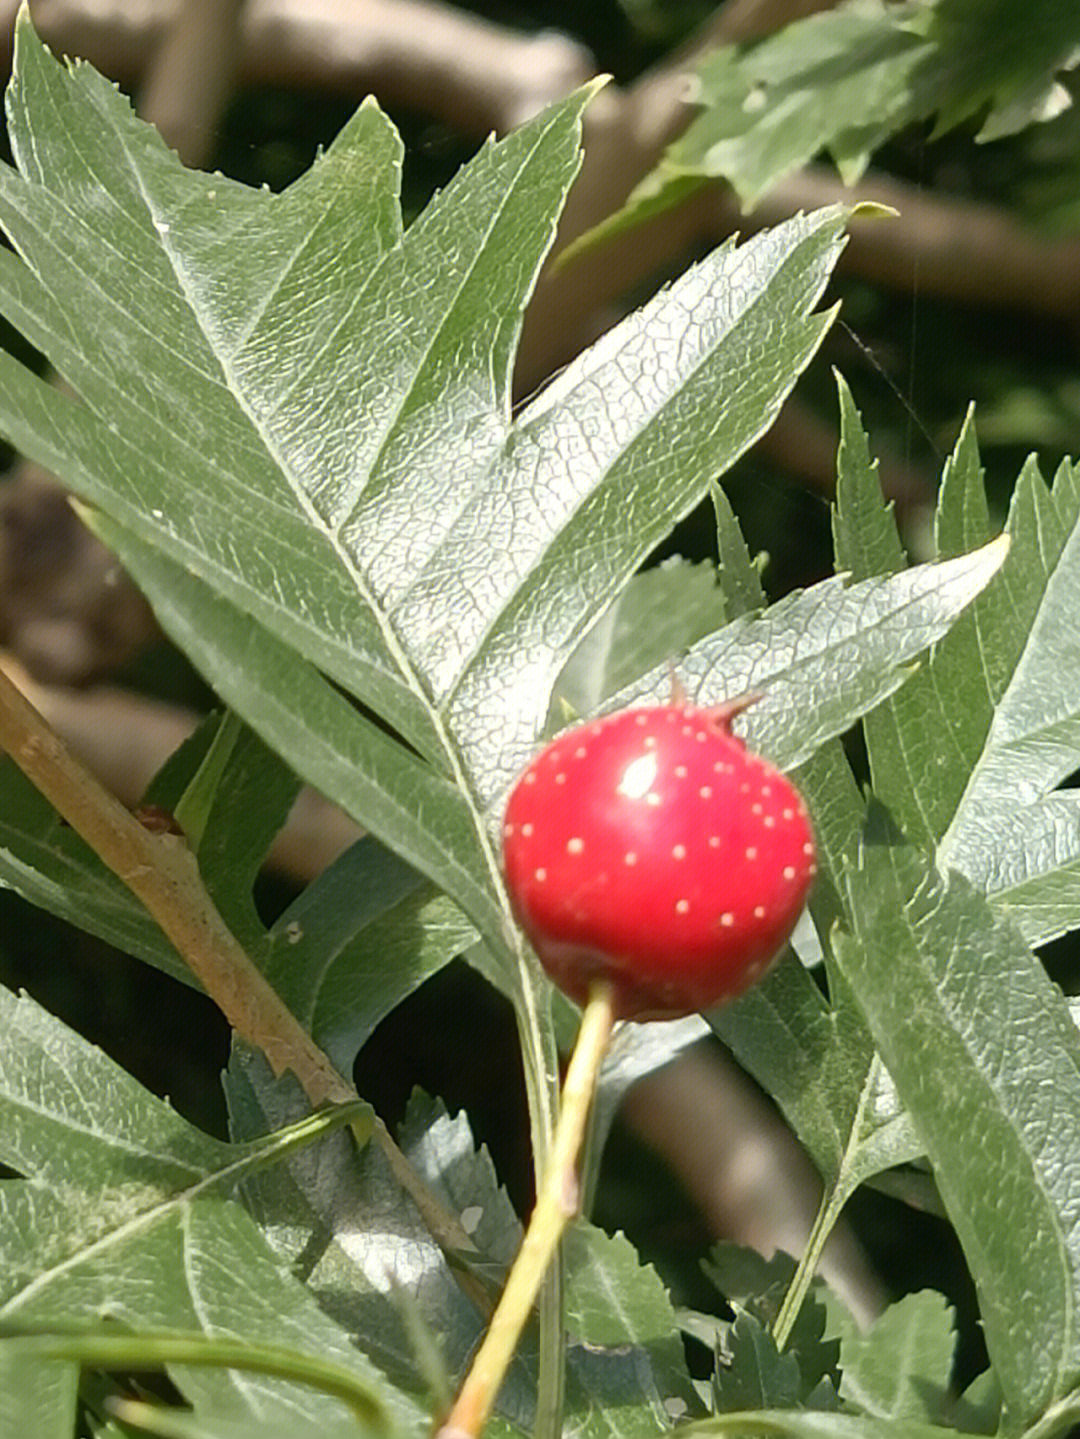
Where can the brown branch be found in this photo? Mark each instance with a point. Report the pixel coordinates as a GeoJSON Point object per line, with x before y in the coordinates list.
{"type": "Point", "coordinates": [476, 75]}
{"type": "Point", "coordinates": [124, 738]}
{"type": "Point", "coordinates": [163, 873]}
{"type": "Point", "coordinates": [189, 79]}
{"type": "Point", "coordinates": [957, 249]}
{"type": "Point", "coordinates": [743, 1168]}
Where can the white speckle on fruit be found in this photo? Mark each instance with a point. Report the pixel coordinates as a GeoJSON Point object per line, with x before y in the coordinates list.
{"type": "Point", "coordinates": [580, 752]}
{"type": "Point", "coordinates": [751, 851]}
{"type": "Point", "coordinates": [727, 919]}
{"type": "Point", "coordinates": [508, 830]}
{"type": "Point", "coordinates": [680, 771]}
{"type": "Point", "coordinates": [705, 792]}
{"type": "Point", "coordinates": [642, 719]}
{"type": "Point", "coordinates": [722, 767]}
{"type": "Point", "coordinates": [756, 809]}
{"type": "Point", "coordinates": [629, 857]}
{"type": "Point", "coordinates": [808, 848]}
{"type": "Point", "coordinates": [540, 875]}
{"type": "Point", "coordinates": [530, 778]}
{"type": "Point", "coordinates": [769, 821]}
{"type": "Point", "coordinates": [744, 788]}
{"type": "Point", "coordinates": [652, 799]}
{"type": "Point", "coordinates": [682, 906]}
{"type": "Point", "coordinates": [637, 777]}
{"type": "Point", "coordinates": [759, 911]}
{"type": "Point", "coordinates": [560, 778]}
{"type": "Point", "coordinates": [789, 872]}
{"type": "Point", "coordinates": [650, 741]}
{"type": "Point", "coordinates": [688, 729]}
{"type": "Point", "coordinates": [678, 851]}
{"type": "Point", "coordinates": [575, 845]}
{"type": "Point", "coordinates": [788, 814]}
{"type": "Point", "coordinates": [527, 829]}
{"type": "Point", "coordinates": [701, 736]}
{"type": "Point", "coordinates": [714, 841]}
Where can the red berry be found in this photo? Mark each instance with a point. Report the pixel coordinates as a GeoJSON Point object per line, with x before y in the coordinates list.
{"type": "Point", "coordinates": [651, 849]}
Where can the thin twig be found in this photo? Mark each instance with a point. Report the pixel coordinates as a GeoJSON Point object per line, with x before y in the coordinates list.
{"type": "Point", "coordinates": [556, 1205]}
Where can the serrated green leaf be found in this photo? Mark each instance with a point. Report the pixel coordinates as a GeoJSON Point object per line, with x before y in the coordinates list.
{"type": "Point", "coordinates": [806, 1424]}
{"type": "Point", "coordinates": [953, 996]}
{"type": "Point", "coordinates": [752, 1373]}
{"type": "Point", "coordinates": [1032, 741]}
{"type": "Point", "coordinates": [756, 1287]}
{"type": "Point", "coordinates": [901, 1366]}
{"type": "Point", "coordinates": [990, 714]}
{"type": "Point", "coordinates": [625, 1349]}
{"type": "Point", "coordinates": [125, 1213]}
{"type": "Point", "coordinates": [740, 577]}
{"type": "Point", "coordinates": [865, 536]}
{"type": "Point", "coordinates": [344, 1219]}
{"type": "Point", "coordinates": [823, 656]}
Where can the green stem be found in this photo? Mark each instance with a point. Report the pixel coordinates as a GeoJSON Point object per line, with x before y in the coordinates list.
{"type": "Point", "coordinates": [541, 1066]}
{"type": "Point", "coordinates": [832, 1202]}
{"type": "Point", "coordinates": [556, 1205]}
{"type": "Point", "coordinates": [156, 1350]}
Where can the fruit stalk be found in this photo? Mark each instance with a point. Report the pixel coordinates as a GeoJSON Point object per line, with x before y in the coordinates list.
{"type": "Point", "coordinates": [557, 1203]}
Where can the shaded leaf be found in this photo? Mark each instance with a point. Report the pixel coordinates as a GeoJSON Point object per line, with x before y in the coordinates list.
{"type": "Point", "coordinates": [755, 1287]}
{"type": "Point", "coordinates": [659, 614]}
{"type": "Point", "coordinates": [953, 996]}
{"type": "Point", "coordinates": [124, 1212]}
{"type": "Point", "coordinates": [901, 1367]}
{"type": "Point", "coordinates": [752, 1373]}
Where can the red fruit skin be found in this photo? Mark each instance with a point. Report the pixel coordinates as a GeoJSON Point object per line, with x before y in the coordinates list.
{"type": "Point", "coordinates": [652, 849]}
